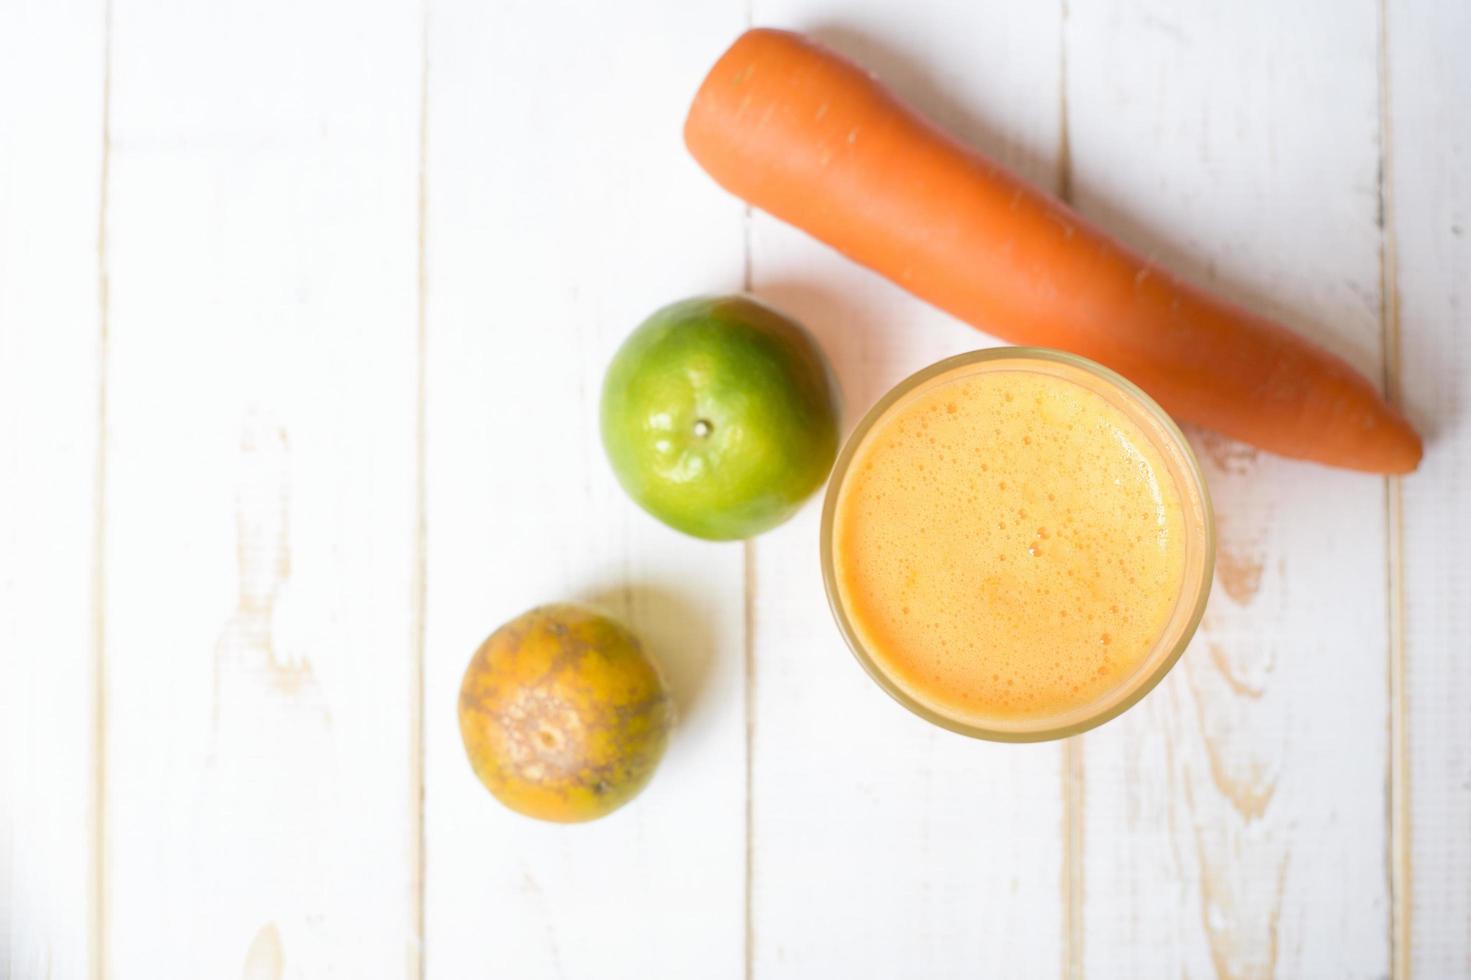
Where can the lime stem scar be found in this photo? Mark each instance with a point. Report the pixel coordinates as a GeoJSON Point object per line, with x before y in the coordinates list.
{"type": "Point", "coordinates": [703, 428]}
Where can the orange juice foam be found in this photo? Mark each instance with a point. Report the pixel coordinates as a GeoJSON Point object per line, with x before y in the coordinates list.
{"type": "Point", "coordinates": [1007, 545]}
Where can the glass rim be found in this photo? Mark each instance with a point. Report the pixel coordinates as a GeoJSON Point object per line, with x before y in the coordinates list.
{"type": "Point", "coordinates": [1202, 585]}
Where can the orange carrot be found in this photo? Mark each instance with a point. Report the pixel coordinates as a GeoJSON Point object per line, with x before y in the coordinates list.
{"type": "Point", "coordinates": [806, 135]}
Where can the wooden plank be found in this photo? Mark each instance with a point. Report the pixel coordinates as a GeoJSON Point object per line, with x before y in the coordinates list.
{"type": "Point", "coordinates": [882, 846]}
{"type": "Point", "coordinates": [562, 211]}
{"type": "Point", "coordinates": [1235, 822]}
{"type": "Point", "coordinates": [1428, 198]}
{"type": "Point", "coordinates": [262, 788]}
{"type": "Point", "coordinates": [51, 174]}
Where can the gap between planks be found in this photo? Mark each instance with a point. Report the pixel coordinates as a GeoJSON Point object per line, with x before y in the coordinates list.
{"type": "Point", "coordinates": [98, 925]}
{"type": "Point", "coordinates": [1072, 858]}
{"type": "Point", "coordinates": [748, 694]}
{"type": "Point", "coordinates": [1072, 785]}
{"type": "Point", "coordinates": [748, 553]}
{"type": "Point", "coordinates": [420, 579]}
{"type": "Point", "coordinates": [1398, 777]}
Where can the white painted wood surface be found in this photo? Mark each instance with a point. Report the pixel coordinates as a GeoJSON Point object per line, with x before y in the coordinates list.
{"type": "Point", "coordinates": [1236, 823]}
{"type": "Point", "coordinates": [261, 764]}
{"type": "Point", "coordinates": [561, 210]}
{"type": "Point", "coordinates": [303, 315]}
{"type": "Point", "coordinates": [882, 846]}
{"type": "Point", "coordinates": [51, 331]}
{"type": "Point", "coordinates": [1428, 261]}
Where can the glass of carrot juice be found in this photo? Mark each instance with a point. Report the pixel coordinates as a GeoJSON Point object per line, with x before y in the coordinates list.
{"type": "Point", "coordinates": [1017, 544]}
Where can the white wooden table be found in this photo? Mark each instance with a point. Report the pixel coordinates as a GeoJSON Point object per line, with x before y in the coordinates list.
{"type": "Point", "coordinates": [304, 308]}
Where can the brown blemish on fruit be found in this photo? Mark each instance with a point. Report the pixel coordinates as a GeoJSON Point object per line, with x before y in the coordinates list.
{"type": "Point", "coordinates": [544, 735]}
{"type": "Point", "coordinates": [563, 716]}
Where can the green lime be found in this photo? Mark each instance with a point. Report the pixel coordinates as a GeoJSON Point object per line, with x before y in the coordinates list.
{"type": "Point", "coordinates": [720, 416]}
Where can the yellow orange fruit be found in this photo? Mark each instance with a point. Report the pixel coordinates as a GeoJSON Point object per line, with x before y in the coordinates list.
{"type": "Point", "coordinates": [563, 715]}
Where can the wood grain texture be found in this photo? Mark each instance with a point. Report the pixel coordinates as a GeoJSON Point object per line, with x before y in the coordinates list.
{"type": "Point", "coordinates": [335, 376]}
{"type": "Point", "coordinates": [1235, 821]}
{"type": "Point", "coordinates": [562, 211]}
{"type": "Point", "coordinates": [51, 163]}
{"type": "Point", "coordinates": [1428, 197]}
{"type": "Point", "coordinates": [883, 846]}
{"type": "Point", "coordinates": [260, 539]}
